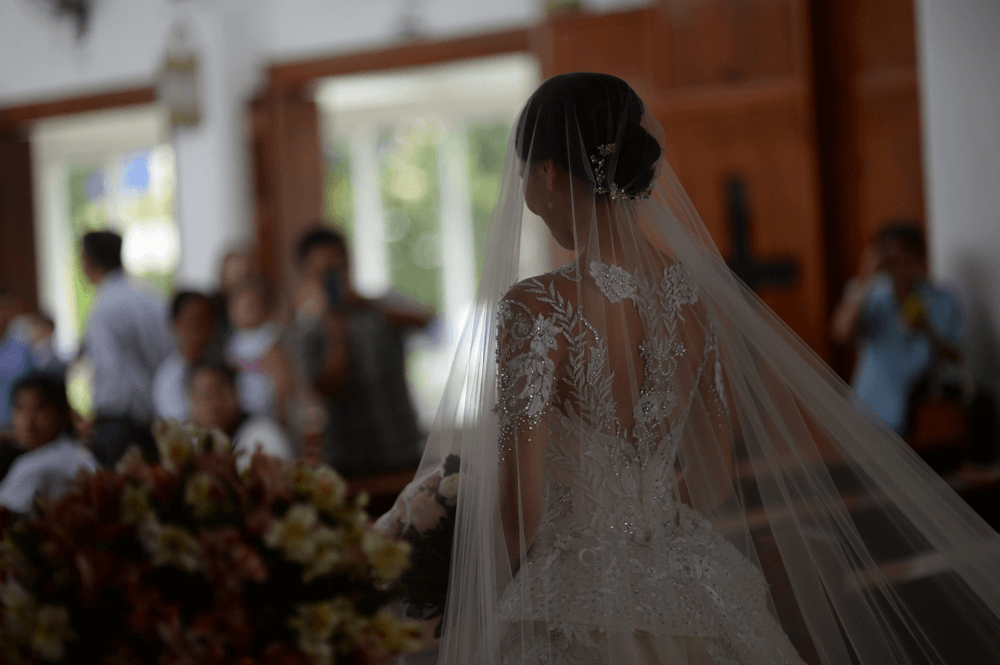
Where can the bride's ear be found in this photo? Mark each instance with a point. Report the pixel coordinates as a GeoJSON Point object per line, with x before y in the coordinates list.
{"type": "Point", "coordinates": [549, 171]}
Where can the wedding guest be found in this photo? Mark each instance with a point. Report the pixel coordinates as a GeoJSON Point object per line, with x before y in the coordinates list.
{"type": "Point", "coordinates": [194, 322]}
{"type": "Point", "coordinates": [43, 352]}
{"type": "Point", "coordinates": [215, 403]}
{"type": "Point", "coordinates": [908, 332]}
{"type": "Point", "coordinates": [10, 450]}
{"type": "Point", "coordinates": [352, 351]}
{"type": "Point", "coordinates": [265, 380]}
{"type": "Point", "coordinates": [900, 320]}
{"type": "Point", "coordinates": [237, 265]}
{"type": "Point", "coordinates": [42, 429]}
{"type": "Point", "coordinates": [128, 337]}
{"type": "Point", "coordinates": [15, 357]}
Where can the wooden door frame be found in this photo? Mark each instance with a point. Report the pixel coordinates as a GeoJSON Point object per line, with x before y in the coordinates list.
{"type": "Point", "coordinates": [299, 74]}
{"type": "Point", "coordinates": [16, 120]}
{"type": "Point", "coordinates": [15, 127]}
{"type": "Point", "coordinates": [292, 82]}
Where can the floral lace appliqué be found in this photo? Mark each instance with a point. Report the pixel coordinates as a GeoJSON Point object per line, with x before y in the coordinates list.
{"type": "Point", "coordinates": [614, 281]}
{"type": "Point", "coordinates": [615, 549]}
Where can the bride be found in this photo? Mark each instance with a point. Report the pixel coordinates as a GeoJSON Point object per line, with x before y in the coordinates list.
{"type": "Point", "coordinates": [651, 468]}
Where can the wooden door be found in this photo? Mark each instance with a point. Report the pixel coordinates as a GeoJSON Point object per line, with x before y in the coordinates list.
{"type": "Point", "coordinates": [867, 110]}
{"type": "Point", "coordinates": [730, 81]}
{"type": "Point", "coordinates": [287, 176]}
{"type": "Point", "coordinates": [17, 231]}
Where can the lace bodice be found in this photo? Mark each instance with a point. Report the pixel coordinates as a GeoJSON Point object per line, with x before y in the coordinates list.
{"type": "Point", "coordinates": [616, 549]}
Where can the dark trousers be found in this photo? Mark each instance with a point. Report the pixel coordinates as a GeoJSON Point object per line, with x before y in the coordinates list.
{"type": "Point", "coordinates": [114, 435]}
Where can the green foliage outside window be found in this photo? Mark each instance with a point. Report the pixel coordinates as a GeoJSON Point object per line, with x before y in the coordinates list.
{"type": "Point", "coordinates": [410, 191]}
{"type": "Point", "coordinates": [84, 215]}
{"type": "Point", "coordinates": [88, 203]}
{"type": "Point", "coordinates": [338, 196]}
{"type": "Point", "coordinates": [487, 144]}
{"type": "Point", "coordinates": [408, 169]}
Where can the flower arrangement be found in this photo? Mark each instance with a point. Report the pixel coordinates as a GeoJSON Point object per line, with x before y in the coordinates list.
{"type": "Point", "coordinates": [424, 516]}
{"type": "Point", "coordinates": [188, 561]}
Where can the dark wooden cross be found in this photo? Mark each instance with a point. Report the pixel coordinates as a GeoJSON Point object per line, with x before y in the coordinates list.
{"type": "Point", "coordinates": [754, 273]}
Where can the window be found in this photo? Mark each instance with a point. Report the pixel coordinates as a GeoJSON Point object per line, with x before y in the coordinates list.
{"type": "Point", "coordinates": [96, 171]}
{"type": "Point", "coordinates": [413, 167]}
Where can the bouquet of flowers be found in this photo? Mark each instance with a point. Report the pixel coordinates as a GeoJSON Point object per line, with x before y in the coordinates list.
{"type": "Point", "coordinates": [188, 561]}
{"type": "Point", "coordinates": [424, 516]}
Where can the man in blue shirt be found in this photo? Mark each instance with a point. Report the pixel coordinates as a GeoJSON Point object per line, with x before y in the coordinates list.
{"type": "Point", "coordinates": [128, 337]}
{"type": "Point", "coordinates": [15, 359]}
{"type": "Point", "coordinates": [901, 321]}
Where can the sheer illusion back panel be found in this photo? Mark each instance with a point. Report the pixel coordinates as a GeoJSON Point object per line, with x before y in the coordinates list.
{"type": "Point", "coordinates": [654, 468]}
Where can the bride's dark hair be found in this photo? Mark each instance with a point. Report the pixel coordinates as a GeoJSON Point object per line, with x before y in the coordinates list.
{"type": "Point", "coordinates": [601, 109]}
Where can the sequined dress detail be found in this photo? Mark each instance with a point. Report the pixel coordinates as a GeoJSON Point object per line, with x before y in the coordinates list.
{"type": "Point", "coordinates": [617, 557]}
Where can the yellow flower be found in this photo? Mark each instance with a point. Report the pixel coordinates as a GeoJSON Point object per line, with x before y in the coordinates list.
{"type": "Point", "coordinates": [329, 552]}
{"type": "Point", "coordinates": [170, 545]}
{"type": "Point", "coordinates": [394, 636]}
{"type": "Point", "coordinates": [134, 504]}
{"type": "Point", "coordinates": [448, 489]}
{"type": "Point", "coordinates": [213, 440]}
{"type": "Point", "coordinates": [11, 557]}
{"type": "Point", "coordinates": [388, 558]}
{"type": "Point", "coordinates": [198, 493]}
{"type": "Point", "coordinates": [329, 490]}
{"type": "Point", "coordinates": [316, 623]}
{"type": "Point", "coordinates": [18, 608]}
{"type": "Point", "coordinates": [51, 633]}
{"type": "Point", "coordinates": [320, 653]}
{"type": "Point", "coordinates": [303, 479]}
{"type": "Point", "coordinates": [174, 443]}
{"type": "Point", "coordinates": [294, 534]}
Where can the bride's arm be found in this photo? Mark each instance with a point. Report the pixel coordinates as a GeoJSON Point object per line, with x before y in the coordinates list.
{"type": "Point", "coordinates": [707, 470]}
{"type": "Point", "coordinates": [528, 349]}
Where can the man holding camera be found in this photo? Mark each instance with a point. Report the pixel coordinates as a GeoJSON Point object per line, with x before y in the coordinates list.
{"type": "Point", "coordinates": [352, 353]}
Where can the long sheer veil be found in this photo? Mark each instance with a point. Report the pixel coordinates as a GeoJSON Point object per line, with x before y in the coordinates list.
{"type": "Point", "coordinates": [651, 466]}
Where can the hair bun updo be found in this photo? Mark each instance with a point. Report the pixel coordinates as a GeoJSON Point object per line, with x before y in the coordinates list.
{"type": "Point", "coordinates": [571, 116]}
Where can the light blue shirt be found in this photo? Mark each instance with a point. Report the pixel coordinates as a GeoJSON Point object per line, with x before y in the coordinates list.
{"type": "Point", "coordinates": [892, 356]}
{"type": "Point", "coordinates": [128, 337]}
{"type": "Point", "coordinates": [15, 362]}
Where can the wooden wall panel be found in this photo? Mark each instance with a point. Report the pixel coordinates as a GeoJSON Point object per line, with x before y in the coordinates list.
{"type": "Point", "coordinates": [868, 120]}
{"type": "Point", "coordinates": [885, 33]}
{"type": "Point", "coordinates": [287, 173]}
{"type": "Point", "coordinates": [17, 232]}
{"type": "Point", "coordinates": [723, 41]}
{"type": "Point", "coordinates": [618, 44]}
{"type": "Point", "coordinates": [890, 184]}
{"type": "Point", "coordinates": [728, 80]}
{"type": "Point", "coordinates": [770, 154]}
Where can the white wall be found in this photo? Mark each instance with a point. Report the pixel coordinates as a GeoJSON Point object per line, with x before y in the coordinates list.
{"type": "Point", "coordinates": [237, 39]}
{"type": "Point", "coordinates": [41, 59]}
{"type": "Point", "coordinates": [960, 96]}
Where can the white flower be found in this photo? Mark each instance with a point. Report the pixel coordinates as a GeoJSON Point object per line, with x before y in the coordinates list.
{"type": "Point", "coordinates": [543, 335]}
{"type": "Point", "coordinates": [448, 489]}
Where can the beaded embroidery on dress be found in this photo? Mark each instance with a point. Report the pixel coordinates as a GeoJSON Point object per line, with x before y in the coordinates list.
{"type": "Point", "coordinates": [615, 552]}
{"type": "Point", "coordinates": [651, 467]}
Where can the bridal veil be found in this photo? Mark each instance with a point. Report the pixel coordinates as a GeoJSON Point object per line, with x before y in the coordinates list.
{"type": "Point", "coordinates": [650, 466]}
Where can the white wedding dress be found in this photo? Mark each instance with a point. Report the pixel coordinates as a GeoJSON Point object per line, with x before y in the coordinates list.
{"type": "Point", "coordinates": [620, 571]}
{"type": "Point", "coordinates": [651, 468]}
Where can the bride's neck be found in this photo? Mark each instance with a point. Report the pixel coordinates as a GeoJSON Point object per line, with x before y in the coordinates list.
{"type": "Point", "coordinates": [603, 242]}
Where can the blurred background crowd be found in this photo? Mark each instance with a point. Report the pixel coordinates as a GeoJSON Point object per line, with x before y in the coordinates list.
{"type": "Point", "coordinates": [269, 217]}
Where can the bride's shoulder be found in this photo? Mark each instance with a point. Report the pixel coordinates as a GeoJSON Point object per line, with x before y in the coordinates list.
{"type": "Point", "coordinates": [542, 291]}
